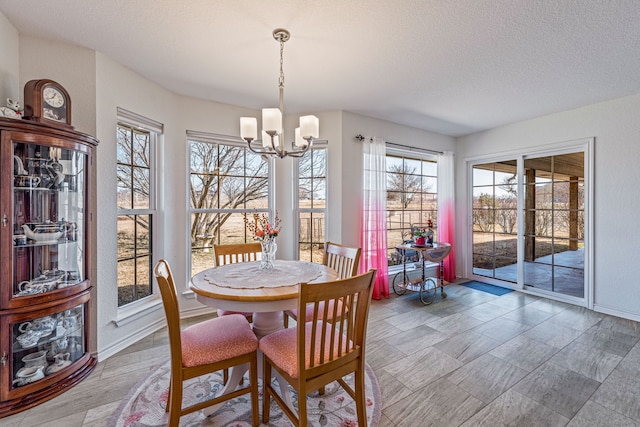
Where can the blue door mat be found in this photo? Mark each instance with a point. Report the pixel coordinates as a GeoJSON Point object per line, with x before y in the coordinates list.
{"type": "Point", "coordinates": [495, 290]}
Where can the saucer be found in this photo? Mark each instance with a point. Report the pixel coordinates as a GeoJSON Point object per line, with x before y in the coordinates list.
{"type": "Point", "coordinates": [31, 369]}
{"type": "Point", "coordinates": [53, 368]}
{"type": "Point", "coordinates": [29, 346]}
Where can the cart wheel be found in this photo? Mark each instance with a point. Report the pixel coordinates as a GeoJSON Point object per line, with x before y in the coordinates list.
{"type": "Point", "coordinates": [428, 291]}
{"type": "Point", "coordinates": [443, 293]}
{"type": "Point", "coordinates": [400, 282]}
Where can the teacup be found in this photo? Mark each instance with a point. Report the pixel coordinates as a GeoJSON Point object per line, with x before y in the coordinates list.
{"type": "Point", "coordinates": [28, 375]}
{"type": "Point", "coordinates": [26, 181]}
{"type": "Point", "coordinates": [60, 345]}
{"type": "Point", "coordinates": [29, 338]}
{"type": "Point", "coordinates": [60, 359]}
{"type": "Point", "coordinates": [45, 325]}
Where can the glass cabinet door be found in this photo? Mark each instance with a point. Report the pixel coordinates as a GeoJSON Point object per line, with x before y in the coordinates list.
{"type": "Point", "coordinates": [46, 345]}
{"type": "Point", "coordinates": [48, 218]}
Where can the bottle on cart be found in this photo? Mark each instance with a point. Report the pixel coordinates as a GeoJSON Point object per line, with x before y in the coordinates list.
{"type": "Point", "coordinates": [429, 232]}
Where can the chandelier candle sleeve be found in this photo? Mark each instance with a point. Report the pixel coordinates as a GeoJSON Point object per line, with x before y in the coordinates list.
{"type": "Point", "coordinates": [309, 127]}
{"type": "Point", "coordinates": [248, 128]}
{"type": "Point", "coordinates": [272, 121]}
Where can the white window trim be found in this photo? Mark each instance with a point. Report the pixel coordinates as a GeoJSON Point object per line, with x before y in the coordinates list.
{"type": "Point", "coordinates": [317, 145]}
{"type": "Point", "coordinates": [215, 138]}
{"type": "Point", "coordinates": [136, 309]}
{"type": "Point", "coordinates": [585, 145]}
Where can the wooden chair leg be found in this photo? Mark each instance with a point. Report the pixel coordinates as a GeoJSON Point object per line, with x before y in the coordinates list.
{"type": "Point", "coordinates": [176, 405]}
{"type": "Point", "coordinates": [253, 378]}
{"type": "Point", "coordinates": [302, 408]}
{"type": "Point", "coordinates": [168, 404]}
{"type": "Point", "coordinates": [361, 403]}
{"type": "Point", "coordinates": [266, 390]}
{"type": "Point", "coordinates": [286, 320]}
{"type": "Point", "coordinates": [225, 376]}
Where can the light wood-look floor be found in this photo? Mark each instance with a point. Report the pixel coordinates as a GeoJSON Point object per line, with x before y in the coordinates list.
{"type": "Point", "coordinates": [473, 359]}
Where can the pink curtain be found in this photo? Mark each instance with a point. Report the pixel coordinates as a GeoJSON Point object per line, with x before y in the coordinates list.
{"type": "Point", "coordinates": [446, 211]}
{"type": "Point", "coordinates": [373, 237]}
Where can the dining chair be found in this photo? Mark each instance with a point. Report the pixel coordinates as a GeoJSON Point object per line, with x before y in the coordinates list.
{"type": "Point", "coordinates": [209, 346]}
{"type": "Point", "coordinates": [343, 259]}
{"type": "Point", "coordinates": [231, 254]}
{"type": "Point", "coordinates": [318, 352]}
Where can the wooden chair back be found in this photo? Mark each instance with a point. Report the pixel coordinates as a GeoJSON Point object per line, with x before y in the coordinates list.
{"type": "Point", "coordinates": [234, 253]}
{"type": "Point", "coordinates": [164, 277]}
{"type": "Point", "coordinates": [343, 259]}
{"type": "Point", "coordinates": [332, 344]}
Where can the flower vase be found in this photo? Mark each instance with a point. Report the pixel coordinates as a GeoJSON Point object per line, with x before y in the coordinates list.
{"type": "Point", "coordinates": [269, 248]}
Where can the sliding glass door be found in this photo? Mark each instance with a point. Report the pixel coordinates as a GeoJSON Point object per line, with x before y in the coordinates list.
{"type": "Point", "coordinates": [554, 223]}
{"type": "Point", "coordinates": [528, 222]}
{"type": "Point", "coordinates": [494, 218]}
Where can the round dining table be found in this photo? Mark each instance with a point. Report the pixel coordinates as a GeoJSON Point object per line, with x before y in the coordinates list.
{"type": "Point", "coordinates": [245, 287]}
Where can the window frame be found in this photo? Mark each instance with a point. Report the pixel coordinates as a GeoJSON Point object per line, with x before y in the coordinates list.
{"type": "Point", "coordinates": [317, 145]}
{"type": "Point", "coordinates": [212, 138]}
{"type": "Point", "coordinates": [135, 122]}
{"type": "Point", "coordinates": [413, 154]}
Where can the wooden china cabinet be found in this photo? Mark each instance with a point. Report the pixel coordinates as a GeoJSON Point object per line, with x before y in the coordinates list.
{"type": "Point", "coordinates": [45, 224]}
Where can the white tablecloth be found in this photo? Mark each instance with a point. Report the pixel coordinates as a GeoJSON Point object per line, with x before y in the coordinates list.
{"type": "Point", "coordinates": [284, 273]}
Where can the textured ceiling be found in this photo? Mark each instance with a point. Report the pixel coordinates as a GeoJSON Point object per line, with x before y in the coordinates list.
{"type": "Point", "coordinates": [450, 66]}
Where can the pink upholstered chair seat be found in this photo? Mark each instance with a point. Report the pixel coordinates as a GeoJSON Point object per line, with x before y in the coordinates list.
{"type": "Point", "coordinates": [217, 339]}
{"type": "Point", "coordinates": [221, 313]}
{"type": "Point", "coordinates": [309, 315]}
{"type": "Point", "coordinates": [280, 347]}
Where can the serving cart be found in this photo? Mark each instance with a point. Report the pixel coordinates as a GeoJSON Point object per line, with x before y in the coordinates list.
{"type": "Point", "coordinates": [426, 286]}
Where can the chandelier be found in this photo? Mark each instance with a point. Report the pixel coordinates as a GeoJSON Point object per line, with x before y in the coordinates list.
{"type": "Point", "coordinates": [272, 132]}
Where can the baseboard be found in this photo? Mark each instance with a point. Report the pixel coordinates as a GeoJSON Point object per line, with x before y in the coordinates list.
{"type": "Point", "coordinates": [121, 344]}
{"type": "Point", "coordinates": [616, 313]}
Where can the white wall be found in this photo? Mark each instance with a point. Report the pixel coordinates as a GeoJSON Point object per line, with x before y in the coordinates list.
{"type": "Point", "coordinates": [72, 66]}
{"type": "Point", "coordinates": [9, 62]}
{"type": "Point", "coordinates": [616, 129]}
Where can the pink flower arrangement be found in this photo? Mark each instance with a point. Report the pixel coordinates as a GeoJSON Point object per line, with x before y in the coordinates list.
{"type": "Point", "coordinates": [261, 228]}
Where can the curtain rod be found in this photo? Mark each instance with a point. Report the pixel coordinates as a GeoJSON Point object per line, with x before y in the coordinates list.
{"type": "Point", "coordinates": [407, 147]}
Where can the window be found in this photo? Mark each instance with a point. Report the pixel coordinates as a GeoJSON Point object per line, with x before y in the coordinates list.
{"type": "Point", "coordinates": [136, 211]}
{"type": "Point", "coordinates": [226, 181]}
{"type": "Point", "coordinates": [412, 187]}
{"type": "Point", "coordinates": [312, 203]}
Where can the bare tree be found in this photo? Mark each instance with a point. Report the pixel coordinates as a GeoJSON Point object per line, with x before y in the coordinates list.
{"type": "Point", "coordinates": [222, 177]}
{"type": "Point", "coordinates": [312, 164]}
{"type": "Point", "coordinates": [483, 212]}
{"type": "Point", "coordinates": [133, 172]}
{"type": "Point", "coordinates": [507, 205]}
{"type": "Point", "coordinates": [403, 184]}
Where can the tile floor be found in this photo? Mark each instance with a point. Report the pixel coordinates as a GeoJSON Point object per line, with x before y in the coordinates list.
{"type": "Point", "coordinates": [472, 359]}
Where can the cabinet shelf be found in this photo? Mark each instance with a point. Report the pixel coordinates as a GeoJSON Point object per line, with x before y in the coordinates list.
{"type": "Point", "coordinates": [45, 243]}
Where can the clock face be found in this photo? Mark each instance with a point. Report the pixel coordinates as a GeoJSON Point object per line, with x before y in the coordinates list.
{"type": "Point", "coordinates": [53, 97]}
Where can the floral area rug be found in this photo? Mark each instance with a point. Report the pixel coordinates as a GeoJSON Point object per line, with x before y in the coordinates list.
{"type": "Point", "coordinates": [145, 404]}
